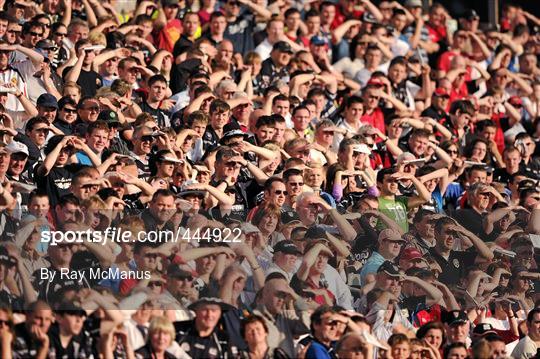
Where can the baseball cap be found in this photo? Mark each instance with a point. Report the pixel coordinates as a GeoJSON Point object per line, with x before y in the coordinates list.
{"type": "Point", "coordinates": [249, 228]}
{"type": "Point", "coordinates": [375, 82]}
{"type": "Point", "coordinates": [210, 300]}
{"type": "Point", "coordinates": [283, 47]}
{"type": "Point", "coordinates": [454, 317]}
{"type": "Point", "coordinates": [287, 247]}
{"type": "Point", "coordinates": [175, 271]}
{"type": "Point", "coordinates": [108, 116]}
{"type": "Point", "coordinates": [410, 254]}
{"type": "Point", "coordinates": [231, 130]}
{"type": "Point", "coordinates": [441, 92]}
{"type": "Point", "coordinates": [515, 101]}
{"type": "Point", "coordinates": [46, 45]}
{"type": "Point", "coordinates": [413, 3]}
{"type": "Point", "coordinates": [389, 268]}
{"type": "Point", "coordinates": [483, 329]}
{"type": "Point", "coordinates": [318, 40]}
{"type": "Point", "coordinates": [185, 191]}
{"type": "Point", "coordinates": [362, 148]}
{"type": "Point", "coordinates": [470, 14]}
{"type": "Point", "coordinates": [369, 18]}
{"type": "Point", "coordinates": [165, 156]}
{"type": "Point", "coordinates": [169, 2]}
{"type": "Point", "coordinates": [47, 100]}
{"type": "Point", "coordinates": [17, 147]}
{"type": "Point", "coordinates": [390, 234]}
{"type": "Point", "coordinates": [5, 257]}
{"type": "Point", "coordinates": [71, 309]}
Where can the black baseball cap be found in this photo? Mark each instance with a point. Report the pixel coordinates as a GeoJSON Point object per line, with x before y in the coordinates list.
{"type": "Point", "coordinates": [389, 268]}
{"type": "Point", "coordinates": [283, 47]}
{"type": "Point", "coordinates": [454, 317]}
{"type": "Point", "coordinates": [287, 247]}
{"type": "Point", "coordinates": [109, 116]}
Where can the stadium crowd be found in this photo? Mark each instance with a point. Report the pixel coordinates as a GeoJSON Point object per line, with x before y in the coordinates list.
{"type": "Point", "coordinates": [285, 179]}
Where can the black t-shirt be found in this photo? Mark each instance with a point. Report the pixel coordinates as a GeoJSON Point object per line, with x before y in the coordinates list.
{"type": "Point", "coordinates": [80, 346]}
{"type": "Point", "coordinates": [89, 81]}
{"type": "Point", "coordinates": [216, 345]}
{"type": "Point", "coordinates": [162, 117]}
{"type": "Point", "coordinates": [455, 267]}
{"type": "Point", "coordinates": [24, 345]}
{"type": "Point", "coordinates": [471, 220]}
{"type": "Point", "coordinates": [57, 182]}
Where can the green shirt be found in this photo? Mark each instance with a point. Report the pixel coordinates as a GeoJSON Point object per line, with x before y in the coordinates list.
{"type": "Point", "coordinates": [395, 209]}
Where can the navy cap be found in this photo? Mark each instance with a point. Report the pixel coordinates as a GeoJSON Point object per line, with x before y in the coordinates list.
{"type": "Point", "coordinates": [108, 116]}
{"type": "Point", "coordinates": [455, 317]}
{"type": "Point", "coordinates": [318, 40]}
{"type": "Point", "coordinates": [287, 247]}
{"type": "Point", "coordinates": [47, 100]}
{"type": "Point", "coordinates": [389, 268]}
{"type": "Point", "coordinates": [283, 47]}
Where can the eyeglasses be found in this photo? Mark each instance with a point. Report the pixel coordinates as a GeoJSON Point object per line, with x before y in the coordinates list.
{"type": "Point", "coordinates": [60, 34]}
{"type": "Point", "coordinates": [69, 110]}
{"type": "Point", "coordinates": [279, 192]}
{"type": "Point", "coordinates": [155, 284]}
{"type": "Point", "coordinates": [91, 109]}
{"type": "Point", "coordinates": [16, 32]}
{"type": "Point", "coordinates": [33, 33]}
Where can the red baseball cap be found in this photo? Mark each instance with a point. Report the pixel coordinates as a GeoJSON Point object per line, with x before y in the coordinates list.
{"type": "Point", "coordinates": [440, 92]}
{"type": "Point", "coordinates": [410, 254]}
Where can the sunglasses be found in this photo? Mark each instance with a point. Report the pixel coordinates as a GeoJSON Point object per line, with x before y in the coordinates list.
{"type": "Point", "coordinates": [69, 110]}
{"type": "Point", "coordinates": [33, 33]}
{"type": "Point", "coordinates": [155, 284]}
{"type": "Point", "coordinates": [60, 34]}
{"type": "Point", "coordinates": [5, 322]}
{"type": "Point", "coordinates": [45, 25]}
{"type": "Point", "coordinates": [278, 192]}
{"type": "Point", "coordinates": [147, 138]}
{"type": "Point", "coordinates": [16, 32]}
{"type": "Point", "coordinates": [296, 184]}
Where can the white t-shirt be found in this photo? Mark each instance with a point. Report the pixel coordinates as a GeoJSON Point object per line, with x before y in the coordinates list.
{"type": "Point", "coordinates": [264, 49]}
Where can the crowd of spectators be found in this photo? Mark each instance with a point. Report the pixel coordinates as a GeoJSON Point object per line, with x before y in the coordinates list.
{"type": "Point", "coordinates": [268, 179]}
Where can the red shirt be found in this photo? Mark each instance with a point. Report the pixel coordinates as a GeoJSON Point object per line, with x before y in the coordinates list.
{"type": "Point", "coordinates": [340, 17]}
{"type": "Point", "coordinates": [436, 33]}
{"type": "Point", "coordinates": [446, 59]}
{"type": "Point", "coordinates": [375, 119]}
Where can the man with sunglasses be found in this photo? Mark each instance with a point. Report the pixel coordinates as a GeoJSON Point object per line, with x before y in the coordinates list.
{"type": "Point", "coordinates": [67, 115]}
{"type": "Point", "coordinates": [389, 246]}
{"type": "Point", "coordinates": [179, 291]}
{"type": "Point", "coordinates": [55, 174]}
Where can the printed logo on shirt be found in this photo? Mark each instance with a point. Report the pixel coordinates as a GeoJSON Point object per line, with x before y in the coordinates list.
{"type": "Point", "coordinates": [455, 262]}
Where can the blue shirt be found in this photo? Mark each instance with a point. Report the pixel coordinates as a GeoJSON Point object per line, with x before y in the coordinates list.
{"type": "Point", "coordinates": [318, 351]}
{"type": "Point", "coordinates": [372, 265]}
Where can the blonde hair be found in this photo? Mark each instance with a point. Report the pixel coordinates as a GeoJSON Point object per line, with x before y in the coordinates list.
{"type": "Point", "coordinates": [161, 324]}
